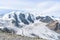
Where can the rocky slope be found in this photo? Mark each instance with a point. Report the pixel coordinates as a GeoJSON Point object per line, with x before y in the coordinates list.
{"type": "Point", "coordinates": [9, 36]}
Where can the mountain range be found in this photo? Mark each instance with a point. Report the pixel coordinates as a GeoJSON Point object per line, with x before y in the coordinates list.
{"type": "Point", "coordinates": [31, 25]}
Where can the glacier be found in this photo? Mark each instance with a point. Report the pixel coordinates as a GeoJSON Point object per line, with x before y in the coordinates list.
{"type": "Point", "coordinates": [26, 24]}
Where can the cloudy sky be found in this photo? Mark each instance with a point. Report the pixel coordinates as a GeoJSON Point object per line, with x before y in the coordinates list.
{"type": "Point", "coordinates": [41, 6]}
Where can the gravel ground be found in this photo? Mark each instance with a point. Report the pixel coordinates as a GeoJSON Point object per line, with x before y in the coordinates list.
{"type": "Point", "coordinates": [8, 36]}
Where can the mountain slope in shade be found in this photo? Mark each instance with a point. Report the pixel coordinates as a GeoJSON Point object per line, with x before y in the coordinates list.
{"type": "Point", "coordinates": [26, 24]}
{"type": "Point", "coordinates": [55, 25]}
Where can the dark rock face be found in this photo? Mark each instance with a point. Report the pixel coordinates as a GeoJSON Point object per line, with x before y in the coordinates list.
{"type": "Point", "coordinates": [7, 30]}
{"type": "Point", "coordinates": [33, 34]}
{"type": "Point", "coordinates": [9, 16]}
{"type": "Point", "coordinates": [30, 19]}
{"type": "Point", "coordinates": [46, 19]}
{"type": "Point", "coordinates": [39, 17]}
{"type": "Point", "coordinates": [57, 26]}
{"type": "Point", "coordinates": [22, 18]}
{"type": "Point", "coordinates": [16, 21]}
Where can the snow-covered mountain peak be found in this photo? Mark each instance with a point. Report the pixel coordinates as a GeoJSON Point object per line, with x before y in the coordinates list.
{"type": "Point", "coordinates": [28, 24]}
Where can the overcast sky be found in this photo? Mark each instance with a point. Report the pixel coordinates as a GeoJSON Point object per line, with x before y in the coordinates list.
{"type": "Point", "coordinates": [42, 6]}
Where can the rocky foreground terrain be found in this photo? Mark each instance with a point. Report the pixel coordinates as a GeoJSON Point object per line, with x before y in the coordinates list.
{"type": "Point", "coordinates": [8, 36]}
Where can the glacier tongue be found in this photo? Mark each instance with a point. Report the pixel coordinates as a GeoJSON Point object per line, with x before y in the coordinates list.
{"type": "Point", "coordinates": [37, 29]}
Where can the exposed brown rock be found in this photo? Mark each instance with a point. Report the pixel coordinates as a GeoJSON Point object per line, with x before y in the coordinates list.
{"type": "Point", "coordinates": [54, 26]}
